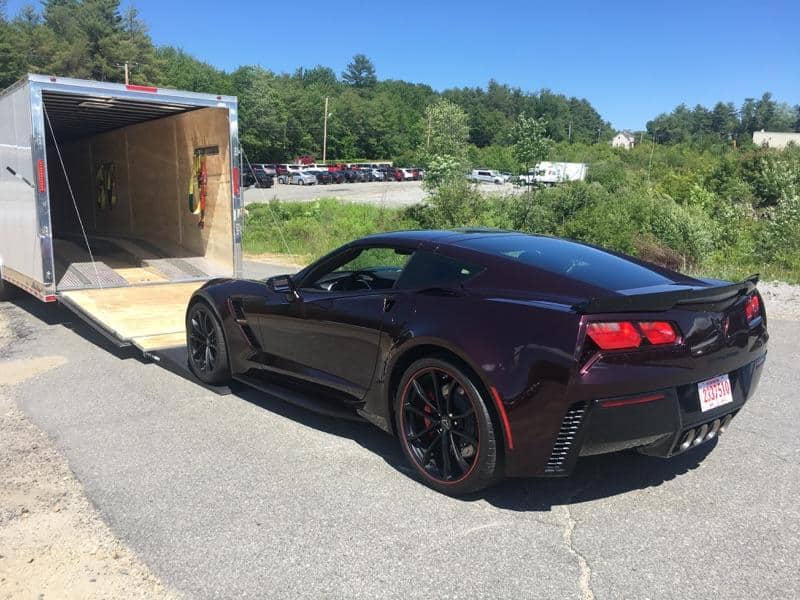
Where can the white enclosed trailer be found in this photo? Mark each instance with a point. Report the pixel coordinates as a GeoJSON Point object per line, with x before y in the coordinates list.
{"type": "Point", "coordinates": [118, 201]}
{"type": "Point", "coordinates": [551, 173]}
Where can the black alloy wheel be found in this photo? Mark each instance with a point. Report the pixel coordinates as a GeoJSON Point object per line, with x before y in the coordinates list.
{"type": "Point", "coordinates": [208, 354]}
{"type": "Point", "coordinates": [445, 428]}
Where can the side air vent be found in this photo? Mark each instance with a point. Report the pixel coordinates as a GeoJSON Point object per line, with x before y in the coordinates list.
{"type": "Point", "coordinates": [241, 321]}
{"type": "Point", "coordinates": [570, 426]}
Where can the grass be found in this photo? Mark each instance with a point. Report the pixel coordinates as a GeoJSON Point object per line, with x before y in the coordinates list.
{"type": "Point", "coordinates": [308, 230]}
{"type": "Point", "coordinates": [302, 232]}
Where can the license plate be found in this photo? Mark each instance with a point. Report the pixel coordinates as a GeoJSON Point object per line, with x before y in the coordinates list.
{"type": "Point", "coordinates": [714, 392]}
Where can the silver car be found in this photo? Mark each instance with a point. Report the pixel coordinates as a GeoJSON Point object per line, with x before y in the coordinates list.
{"type": "Point", "coordinates": [302, 178]}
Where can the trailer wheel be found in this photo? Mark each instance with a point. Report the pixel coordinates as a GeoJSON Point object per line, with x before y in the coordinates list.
{"type": "Point", "coordinates": [208, 352]}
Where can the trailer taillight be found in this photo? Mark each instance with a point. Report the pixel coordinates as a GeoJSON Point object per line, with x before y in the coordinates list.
{"type": "Point", "coordinates": [141, 88]}
{"type": "Point", "coordinates": [236, 181]}
{"type": "Point", "coordinates": [40, 173]}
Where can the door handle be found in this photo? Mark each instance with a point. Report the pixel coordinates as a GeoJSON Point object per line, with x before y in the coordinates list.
{"type": "Point", "coordinates": [388, 303]}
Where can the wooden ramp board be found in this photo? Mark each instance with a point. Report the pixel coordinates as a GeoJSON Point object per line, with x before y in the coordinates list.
{"type": "Point", "coordinates": [150, 317]}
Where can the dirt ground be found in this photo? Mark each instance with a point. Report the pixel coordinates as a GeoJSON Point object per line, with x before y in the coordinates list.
{"type": "Point", "coordinates": [53, 543]}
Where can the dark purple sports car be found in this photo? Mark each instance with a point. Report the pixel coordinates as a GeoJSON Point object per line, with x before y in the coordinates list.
{"type": "Point", "coordinates": [492, 354]}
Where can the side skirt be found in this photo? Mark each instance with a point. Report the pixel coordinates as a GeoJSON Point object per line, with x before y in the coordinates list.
{"type": "Point", "coordinates": [313, 402]}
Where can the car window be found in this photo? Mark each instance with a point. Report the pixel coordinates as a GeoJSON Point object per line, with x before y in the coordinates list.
{"type": "Point", "coordinates": [584, 263]}
{"type": "Point", "coordinates": [374, 268]}
{"type": "Point", "coordinates": [431, 270]}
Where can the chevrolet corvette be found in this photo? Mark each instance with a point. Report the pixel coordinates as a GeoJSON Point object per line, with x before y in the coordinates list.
{"type": "Point", "coordinates": [492, 354]}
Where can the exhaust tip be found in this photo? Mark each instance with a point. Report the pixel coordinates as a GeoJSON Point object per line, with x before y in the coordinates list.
{"type": "Point", "coordinates": [701, 435]}
{"type": "Point", "coordinates": [725, 422]}
{"type": "Point", "coordinates": [715, 426]}
{"type": "Point", "coordinates": [687, 440]}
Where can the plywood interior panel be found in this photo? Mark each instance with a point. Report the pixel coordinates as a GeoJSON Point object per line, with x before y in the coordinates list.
{"type": "Point", "coordinates": [130, 313]}
{"type": "Point", "coordinates": [153, 163]}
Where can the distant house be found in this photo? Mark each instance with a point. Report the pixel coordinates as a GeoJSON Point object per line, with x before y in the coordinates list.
{"type": "Point", "coordinates": [775, 139]}
{"type": "Point", "coordinates": [624, 139]}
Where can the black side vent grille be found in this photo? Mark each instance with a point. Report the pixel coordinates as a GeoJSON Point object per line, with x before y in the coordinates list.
{"type": "Point", "coordinates": [238, 315]}
{"type": "Point", "coordinates": [563, 447]}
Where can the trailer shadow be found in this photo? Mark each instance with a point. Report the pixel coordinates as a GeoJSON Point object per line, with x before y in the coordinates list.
{"type": "Point", "coordinates": [594, 478]}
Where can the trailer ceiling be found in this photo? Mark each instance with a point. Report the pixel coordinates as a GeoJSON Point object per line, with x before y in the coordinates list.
{"type": "Point", "coordinates": [74, 115]}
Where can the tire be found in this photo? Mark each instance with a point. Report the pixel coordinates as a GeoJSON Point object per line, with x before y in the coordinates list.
{"type": "Point", "coordinates": [466, 430]}
{"type": "Point", "coordinates": [208, 351]}
{"type": "Point", "coordinates": [301, 182]}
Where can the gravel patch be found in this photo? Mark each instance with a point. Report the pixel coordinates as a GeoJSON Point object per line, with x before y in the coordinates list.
{"type": "Point", "coordinates": [53, 543]}
{"type": "Point", "coordinates": [782, 300]}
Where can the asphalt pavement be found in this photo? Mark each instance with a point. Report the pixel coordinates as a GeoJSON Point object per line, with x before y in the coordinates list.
{"type": "Point", "coordinates": [240, 496]}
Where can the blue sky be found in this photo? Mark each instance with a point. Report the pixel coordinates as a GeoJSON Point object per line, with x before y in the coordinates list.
{"type": "Point", "coordinates": [631, 60]}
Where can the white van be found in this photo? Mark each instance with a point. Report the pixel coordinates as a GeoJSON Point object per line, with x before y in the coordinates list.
{"type": "Point", "coordinates": [486, 176]}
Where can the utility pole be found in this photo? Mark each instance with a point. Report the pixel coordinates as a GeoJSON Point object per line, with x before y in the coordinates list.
{"type": "Point", "coordinates": [325, 134]}
{"type": "Point", "coordinates": [569, 137]}
{"type": "Point", "coordinates": [127, 66]}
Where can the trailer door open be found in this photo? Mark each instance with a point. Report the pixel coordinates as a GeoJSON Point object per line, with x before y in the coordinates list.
{"type": "Point", "coordinates": [150, 317]}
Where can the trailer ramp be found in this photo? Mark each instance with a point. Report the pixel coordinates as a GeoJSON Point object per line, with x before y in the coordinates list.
{"type": "Point", "coordinates": [150, 317]}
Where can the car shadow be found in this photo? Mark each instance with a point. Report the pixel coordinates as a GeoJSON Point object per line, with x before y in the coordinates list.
{"type": "Point", "coordinates": [595, 477]}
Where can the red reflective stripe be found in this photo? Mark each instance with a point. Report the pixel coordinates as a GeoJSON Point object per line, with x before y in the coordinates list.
{"type": "Point", "coordinates": [40, 172]}
{"type": "Point", "coordinates": [632, 401]}
{"type": "Point", "coordinates": [141, 88]}
{"type": "Point", "coordinates": [503, 416]}
{"type": "Point", "coordinates": [235, 180]}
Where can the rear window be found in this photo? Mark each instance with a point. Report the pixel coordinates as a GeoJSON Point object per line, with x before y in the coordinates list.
{"type": "Point", "coordinates": [570, 259]}
{"type": "Point", "coordinates": [430, 270]}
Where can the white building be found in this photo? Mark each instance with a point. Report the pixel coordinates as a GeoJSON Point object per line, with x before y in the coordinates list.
{"type": "Point", "coordinates": [624, 139]}
{"type": "Point", "coordinates": [775, 139]}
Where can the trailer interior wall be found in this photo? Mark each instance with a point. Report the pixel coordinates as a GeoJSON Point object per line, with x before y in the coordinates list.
{"type": "Point", "coordinates": [152, 164]}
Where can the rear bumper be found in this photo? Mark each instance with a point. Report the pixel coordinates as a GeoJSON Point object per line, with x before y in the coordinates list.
{"type": "Point", "coordinates": [654, 422]}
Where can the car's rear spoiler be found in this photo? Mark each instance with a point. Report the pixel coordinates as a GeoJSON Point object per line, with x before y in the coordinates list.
{"type": "Point", "coordinates": [698, 299]}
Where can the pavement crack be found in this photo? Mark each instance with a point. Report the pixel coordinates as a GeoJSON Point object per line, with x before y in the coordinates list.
{"type": "Point", "coordinates": [585, 578]}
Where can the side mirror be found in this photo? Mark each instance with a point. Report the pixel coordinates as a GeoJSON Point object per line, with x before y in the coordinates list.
{"type": "Point", "coordinates": [283, 284]}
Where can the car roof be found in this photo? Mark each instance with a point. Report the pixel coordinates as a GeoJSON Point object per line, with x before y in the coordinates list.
{"type": "Point", "coordinates": [439, 236]}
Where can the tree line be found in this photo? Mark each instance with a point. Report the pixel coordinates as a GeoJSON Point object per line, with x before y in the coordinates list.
{"type": "Point", "coordinates": [281, 114]}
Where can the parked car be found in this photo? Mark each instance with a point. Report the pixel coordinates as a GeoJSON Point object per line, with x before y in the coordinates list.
{"type": "Point", "coordinates": [336, 177]}
{"type": "Point", "coordinates": [408, 174]}
{"type": "Point", "coordinates": [323, 177]}
{"type": "Point", "coordinates": [486, 176]}
{"type": "Point", "coordinates": [350, 175]}
{"type": "Point", "coordinates": [378, 175]}
{"type": "Point", "coordinates": [302, 178]}
{"type": "Point", "coordinates": [366, 175]}
{"type": "Point", "coordinates": [492, 354]}
{"type": "Point", "coordinates": [256, 177]}
{"type": "Point", "coordinates": [393, 174]}
{"type": "Point", "coordinates": [268, 169]}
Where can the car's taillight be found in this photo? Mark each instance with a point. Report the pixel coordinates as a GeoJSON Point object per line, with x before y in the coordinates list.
{"type": "Point", "coordinates": [614, 336]}
{"type": "Point", "coordinates": [659, 332]}
{"type": "Point", "coordinates": [627, 335]}
{"type": "Point", "coordinates": [752, 309]}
